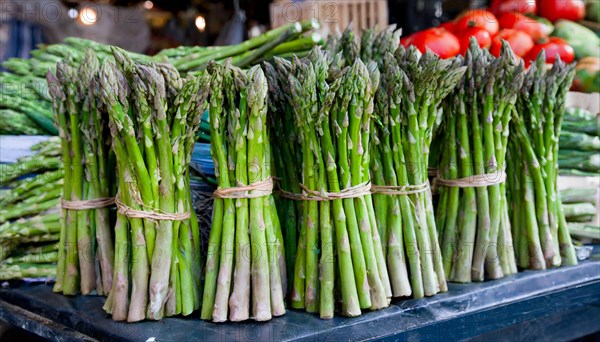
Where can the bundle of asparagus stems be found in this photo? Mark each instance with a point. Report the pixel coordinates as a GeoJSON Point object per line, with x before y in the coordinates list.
{"type": "Point", "coordinates": [245, 225]}
{"type": "Point", "coordinates": [407, 107]}
{"type": "Point", "coordinates": [326, 171]}
{"type": "Point", "coordinates": [86, 243]}
{"type": "Point", "coordinates": [540, 231]}
{"type": "Point", "coordinates": [472, 210]}
{"type": "Point", "coordinates": [30, 217]}
{"type": "Point", "coordinates": [154, 115]}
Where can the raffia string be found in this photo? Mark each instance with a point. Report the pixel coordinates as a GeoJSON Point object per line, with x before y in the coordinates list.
{"type": "Point", "coordinates": [154, 214]}
{"type": "Point", "coordinates": [400, 190]}
{"type": "Point", "coordinates": [476, 181]}
{"type": "Point", "coordinates": [254, 190]}
{"type": "Point", "coordinates": [432, 172]}
{"type": "Point", "coordinates": [307, 194]}
{"type": "Point", "coordinates": [96, 203]}
{"type": "Point", "coordinates": [290, 195]}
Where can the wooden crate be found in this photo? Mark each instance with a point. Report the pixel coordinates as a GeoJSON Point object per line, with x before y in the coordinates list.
{"type": "Point", "coordinates": [332, 15]}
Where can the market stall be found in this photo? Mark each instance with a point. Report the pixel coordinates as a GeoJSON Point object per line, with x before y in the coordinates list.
{"type": "Point", "coordinates": [306, 184]}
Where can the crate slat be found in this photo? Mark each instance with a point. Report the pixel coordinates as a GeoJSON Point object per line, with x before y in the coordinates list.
{"type": "Point", "coordinates": [333, 15]}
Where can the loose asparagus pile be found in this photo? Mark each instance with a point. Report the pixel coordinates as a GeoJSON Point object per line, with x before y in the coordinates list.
{"type": "Point", "coordinates": [46, 158]}
{"type": "Point", "coordinates": [25, 104]}
{"type": "Point", "coordinates": [153, 118]}
{"type": "Point", "coordinates": [580, 209]}
{"type": "Point", "coordinates": [284, 41]}
{"type": "Point", "coordinates": [579, 204]}
{"type": "Point", "coordinates": [245, 226]}
{"type": "Point", "coordinates": [579, 152]}
{"type": "Point", "coordinates": [28, 246]}
{"type": "Point", "coordinates": [407, 106]}
{"type": "Point", "coordinates": [540, 231]}
{"type": "Point", "coordinates": [30, 221]}
{"type": "Point", "coordinates": [473, 216]}
{"type": "Point", "coordinates": [86, 243]}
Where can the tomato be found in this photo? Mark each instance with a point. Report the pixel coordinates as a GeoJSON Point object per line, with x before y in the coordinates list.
{"type": "Point", "coordinates": [535, 28]}
{"type": "Point", "coordinates": [520, 42]}
{"type": "Point", "coordinates": [449, 25]}
{"type": "Point", "coordinates": [438, 40]}
{"type": "Point", "coordinates": [499, 7]}
{"type": "Point", "coordinates": [406, 41]}
{"type": "Point", "coordinates": [554, 47]}
{"type": "Point", "coordinates": [477, 18]}
{"type": "Point", "coordinates": [553, 10]}
{"type": "Point", "coordinates": [482, 36]}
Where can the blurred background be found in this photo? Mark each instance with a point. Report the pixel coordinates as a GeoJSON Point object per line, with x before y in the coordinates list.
{"type": "Point", "coordinates": [151, 25]}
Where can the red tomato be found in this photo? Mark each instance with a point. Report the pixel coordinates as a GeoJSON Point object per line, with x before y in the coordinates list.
{"type": "Point", "coordinates": [536, 29]}
{"type": "Point", "coordinates": [482, 36]}
{"type": "Point", "coordinates": [477, 18]}
{"type": "Point", "coordinates": [562, 9]}
{"type": "Point", "coordinates": [406, 41]}
{"type": "Point", "coordinates": [520, 42]}
{"type": "Point", "coordinates": [499, 7]}
{"type": "Point", "coordinates": [449, 25]}
{"type": "Point", "coordinates": [554, 47]}
{"type": "Point", "coordinates": [438, 40]}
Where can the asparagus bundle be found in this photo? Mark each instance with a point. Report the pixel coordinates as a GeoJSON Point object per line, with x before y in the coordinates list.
{"type": "Point", "coordinates": [407, 106]}
{"type": "Point", "coordinates": [327, 111]}
{"type": "Point", "coordinates": [539, 228]}
{"type": "Point", "coordinates": [473, 209]}
{"type": "Point", "coordinates": [245, 226]}
{"type": "Point", "coordinates": [153, 118]}
{"type": "Point", "coordinates": [86, 244]}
